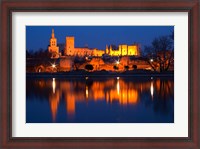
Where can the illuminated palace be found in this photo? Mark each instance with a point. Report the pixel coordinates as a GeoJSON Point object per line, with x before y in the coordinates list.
{"type": "Point", "coordinates": [124, 50]}
{"type": "Point", "coordinates": [71, 50]}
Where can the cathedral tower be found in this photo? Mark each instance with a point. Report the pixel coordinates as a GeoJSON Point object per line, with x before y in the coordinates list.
{"type": "Point", "coordinates": [107, 50]}
{"type": "Point", "coordinates": [53, 48]}
{"type": "Point", "coordinates": [69, 48]}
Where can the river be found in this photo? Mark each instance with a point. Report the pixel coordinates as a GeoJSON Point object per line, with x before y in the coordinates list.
{"type": "Point", "coordinates": [100, 100]}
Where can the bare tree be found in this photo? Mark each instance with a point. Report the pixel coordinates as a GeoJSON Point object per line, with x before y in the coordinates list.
{"type": "Point", "coordinates": [160, 53]}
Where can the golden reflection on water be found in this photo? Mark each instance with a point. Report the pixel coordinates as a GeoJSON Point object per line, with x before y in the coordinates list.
{"type": "Point", "coordinates": [152, 89]}
{"type": "Point", "coordinates": [54, 85]}
{"type": "Point", "coordinates": [70, 105]}
{"type": "Point", "coordinates": [110, 90]}
{"type": "Point", "coordinates": [86, 91]}
{"type": "Point", "coordinates": [118, 86]}
{"type": "Point", "coordinates": [54, 102]}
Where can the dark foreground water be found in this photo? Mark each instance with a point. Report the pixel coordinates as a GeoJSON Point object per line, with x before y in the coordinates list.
{"type": "Point", "coordinates": [100, 100]}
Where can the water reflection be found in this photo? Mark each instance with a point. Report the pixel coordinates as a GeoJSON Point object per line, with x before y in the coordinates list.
{"type": "Point", "coordinates": [155, 93]}
{"type": "Point", "coordinates": [151, 89]}
{"type": "Point", "coordinates": [53, 85]}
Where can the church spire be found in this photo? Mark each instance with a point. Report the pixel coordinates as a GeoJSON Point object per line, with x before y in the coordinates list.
{"type": "Point", "coordinates": [53, 48]}
{"type": "Point", "coordinates": [52, 34]}
{"type": "Point", "coordinates": [107, 51]}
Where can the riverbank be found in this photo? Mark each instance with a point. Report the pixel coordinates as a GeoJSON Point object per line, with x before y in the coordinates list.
{"type": "Point", "coordinates": [74, 74]}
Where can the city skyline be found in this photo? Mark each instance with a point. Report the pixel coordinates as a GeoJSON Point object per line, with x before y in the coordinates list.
{"type": "Point", "coordinates": [100, 74]}
{"type": "Point", "coordinates": [94, 36]}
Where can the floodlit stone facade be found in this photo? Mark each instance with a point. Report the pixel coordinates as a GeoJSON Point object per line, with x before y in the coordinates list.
{"type": "Point", "coordinates": [53, 48]}
{"type": "Point", "coordinates": [121, 58]}
{"type": "Point", "coordinates": [71, 50]}
{"type": "Point", "coordinates": [124, 50]}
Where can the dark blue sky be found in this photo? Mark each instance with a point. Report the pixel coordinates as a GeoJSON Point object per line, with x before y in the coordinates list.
{"type": "Point", "coordinates": [94, 36]}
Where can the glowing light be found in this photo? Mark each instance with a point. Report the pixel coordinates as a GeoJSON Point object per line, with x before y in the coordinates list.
{"type": "Point", "coordinates": [86, 78]}
{"type": "Point", "coordinates": [54, 85]}
{"type": "Point", "coordinates": [53, 65]}
{"type": "Point", "coordinates": [117, 62]}
{"type": "Point", "coordinates": [117, 78]}
{"type": "Point", "coordinates": [151, 78]}
{"type": "Point", "coordinates": [118, 87]}
{"type": "Point", "coordinates": [86, 91]}
{"type": "Point", "coordinates": [151, 89]}
{"type": "Point", "coordinates": [151, 60]}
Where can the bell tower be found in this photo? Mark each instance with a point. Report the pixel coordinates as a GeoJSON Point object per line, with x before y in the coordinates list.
{"type": "Point", "coordinates": [53, 48]}
{"type": "Point", "coordinates": [69, 48]}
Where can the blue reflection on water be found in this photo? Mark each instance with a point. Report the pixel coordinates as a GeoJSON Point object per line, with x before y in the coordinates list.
{"type": "Point", "coordinates": [100, 100]}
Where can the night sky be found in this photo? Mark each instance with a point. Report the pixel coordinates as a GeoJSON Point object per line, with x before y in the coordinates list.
{"type": "Point", "coordinates": [94, 36]}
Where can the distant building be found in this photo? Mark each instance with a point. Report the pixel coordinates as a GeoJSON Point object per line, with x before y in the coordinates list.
{"type": "Point", "coordinates": [66, 63]}
{"type": "Point", "coordinates": [67, 57]}
{"type": "Point", "coordinates": [53, 48]}
{"type": "Point", "coordinates": [71, 50]}
{"type": "Point", "coordinates": [124, 50]}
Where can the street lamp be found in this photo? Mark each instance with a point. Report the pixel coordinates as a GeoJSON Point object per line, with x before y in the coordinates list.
{"type": "Point", "coordinates": [151, 60]}
{"type": "Point", "coordinates": [53, 65]}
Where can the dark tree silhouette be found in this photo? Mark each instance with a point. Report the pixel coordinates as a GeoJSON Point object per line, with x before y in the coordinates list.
{"type": "Point", "coordinates": [134, 66]}
{"type": "Point", "coordinates": [89, 67]}
{"type": "Point", "coordinates": [28, 54]}
{"type": "Point", "coordinates": [126, 67]}
{"type": "Point", "coordinates": [61, 48]}
{"type": "Point", "coordinates": [115, 67]}
{"type": "Point", "coordinates": [78, 61]}
{"type": "Point", "coordinates": [160, 53]}
{"type": "Point", "coordinates": [41, 54]}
